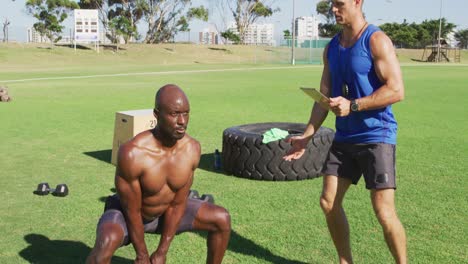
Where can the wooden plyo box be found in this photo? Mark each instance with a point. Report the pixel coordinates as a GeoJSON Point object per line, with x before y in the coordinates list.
{"type": "Point", "coordinates": [128, 124]}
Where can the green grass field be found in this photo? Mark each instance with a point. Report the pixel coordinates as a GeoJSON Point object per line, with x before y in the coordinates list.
{"type": "Point", "coordinates": [60, 131]}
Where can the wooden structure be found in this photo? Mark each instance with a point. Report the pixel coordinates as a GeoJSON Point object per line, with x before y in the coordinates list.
{"type": "Point", "coordinates": [436, 53]}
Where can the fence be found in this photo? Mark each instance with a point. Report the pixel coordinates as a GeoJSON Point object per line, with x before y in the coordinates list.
{"type": "Point", "coordinates": [309, 51]}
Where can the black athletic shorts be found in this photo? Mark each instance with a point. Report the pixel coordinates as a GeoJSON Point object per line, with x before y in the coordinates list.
{"type": "Point", "coordinates": [113, 214]}
{"type": "Point", "coordinates": [375, 161]}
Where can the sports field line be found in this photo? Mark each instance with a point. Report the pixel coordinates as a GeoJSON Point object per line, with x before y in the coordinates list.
{"type": "Point", "coordinates": [156, 73]}
{"type": "Point", "coordinates": [290, 67]}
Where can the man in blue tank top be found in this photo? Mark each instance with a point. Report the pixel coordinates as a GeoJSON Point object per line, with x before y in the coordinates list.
{"type": "Point", "coordinates": [362, 77]}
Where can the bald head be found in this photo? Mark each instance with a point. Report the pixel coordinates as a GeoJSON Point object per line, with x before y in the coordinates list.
{"type": "Point", "coordinates": [172, 112]}
{"type": "Point", "coordinates": [169, 94]}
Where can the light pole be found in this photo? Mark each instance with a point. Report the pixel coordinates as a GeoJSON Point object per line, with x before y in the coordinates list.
{"type": "Point", "coordinates": [293, 59]}
{"type": "Point", "coordinates": [440, 27]}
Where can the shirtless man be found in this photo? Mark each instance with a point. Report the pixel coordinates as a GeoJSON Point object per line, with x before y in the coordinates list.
{"type": "Point", "coordinates": [154, 174]}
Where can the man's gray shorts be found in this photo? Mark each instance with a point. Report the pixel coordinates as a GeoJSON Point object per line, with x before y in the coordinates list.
{"type": "Point", "coordinates": [113, 214]}
{"type": "Point", "coordinates": [375, 161]}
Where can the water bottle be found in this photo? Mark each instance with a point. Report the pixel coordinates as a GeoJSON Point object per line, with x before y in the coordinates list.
{"type": "Point", "coordinates": [217, 160]}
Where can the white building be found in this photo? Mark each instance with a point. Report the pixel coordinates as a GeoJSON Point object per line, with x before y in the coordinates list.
{"type": "Point", "coordinates": [306, 28]}
{"type": "Point", "coordinates": [451, 41]}
{"type": "Point", "coordinates": [257, 34]}
{"type": "Point", "coordinates": [34, 36]}
{"type": "Point", "coordinates": [260, 34]}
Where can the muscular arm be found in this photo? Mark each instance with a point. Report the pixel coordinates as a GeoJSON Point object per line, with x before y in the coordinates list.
{"type": "Point", "coordinates": [176, 210]}
{"type": "Point", "coordinates": [317, 116]}
{"type": "Point", "coordinates": [128, 187]}
{"type": "Point", "coordinates": [388, 70]}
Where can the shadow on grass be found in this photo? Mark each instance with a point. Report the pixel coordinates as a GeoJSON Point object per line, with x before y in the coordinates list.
{"type": "Point", "coordinates": [417, 60]}
{"type": "Point", "coordinates": [221, 49]}
{"type": "Point", "coordinates": [78, 46]}
{"type": "Point", "coordinates": [102, 155]}
{"type": "Point", "coordinates": [103, 198]}
{"type": "Point", "coordinates": [43, 250]}
{"type": "Point", "coordinates": [112, 47]}
{"type": "Point", "coordinates": [245, 246]}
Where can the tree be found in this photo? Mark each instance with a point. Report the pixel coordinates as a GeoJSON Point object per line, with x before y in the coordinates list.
{"type": "Point", "coordinates": [330, 28]}
{"type": "Point", "coordinates": [166, 18]}
{"type": "Point", "coordinates": [6, 23]}
{"type": "Point", "coordinates": [462, 37]}
{"type": "Point", "coordinates": [220, 22]}
{"type": "Point", "coordinates": [414, 35]}
{"type": "Point", "coordinates": [245, 13]}
{"type": "Point", "coordinates": [103, 10]}
{"type": "Point", "coordinates": [432, 27]}
{"type": "Point", "coordinates": [324, 8]}
{"type": "Point", "coordinates": [50, 14]}
{"type": "Point", "coordinates": [122, 26]}
{"type": "Point", "coordinates": [423, 38]}
{"type": "Point", "coordinates": [118, 17]}
{"type": "Point", "coordinates": [402, 35]}
{"type": "Point", "coordinates": [123, 16]}
{"type": "Point", "coordinates": [230, 35]}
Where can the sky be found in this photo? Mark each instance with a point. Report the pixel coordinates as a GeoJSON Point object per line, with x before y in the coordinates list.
{"type": "Point", "coordinates": [376, 11]}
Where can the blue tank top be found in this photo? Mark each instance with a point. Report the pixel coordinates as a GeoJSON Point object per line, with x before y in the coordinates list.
{"type": "Point", "coordinates": [354, 67]}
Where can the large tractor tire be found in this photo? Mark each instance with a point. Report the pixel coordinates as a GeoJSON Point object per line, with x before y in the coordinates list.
{"type": "Point", "coordinates": [244, 154]}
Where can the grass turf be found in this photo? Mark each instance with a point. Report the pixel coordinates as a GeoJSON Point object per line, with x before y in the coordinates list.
{"type": "Point", "coordinates": [60, 131]}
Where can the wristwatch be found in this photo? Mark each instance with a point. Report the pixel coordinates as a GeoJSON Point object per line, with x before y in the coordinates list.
{"type": "Point", "coordinates": [354, 106]}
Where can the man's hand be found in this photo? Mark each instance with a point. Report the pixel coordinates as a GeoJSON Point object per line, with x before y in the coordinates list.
{"type": "Point", "coordinates": [299, 144]}
{"type": "Point", "coordinates": [158, 258]}
{"type": "Point", "coordinates": [340, 106]}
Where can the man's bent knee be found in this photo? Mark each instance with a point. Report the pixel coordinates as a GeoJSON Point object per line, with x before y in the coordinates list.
{"type": "Point", "coordinates": [98, 258]}
{"type": "Point", "coordinates": [327, 204]}
{"type": "Point", "coordinates": [104, 249]}
{"type": "Point", "coordinates": [223, 220]}
{"type": "Point", "coordinates": [109, 239]}
{"type": "Point", "coordinates": [386, 217]}
{"type": "Point", "coordinates": [384, 207]}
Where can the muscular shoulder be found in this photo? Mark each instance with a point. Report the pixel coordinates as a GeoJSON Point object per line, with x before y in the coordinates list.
{"type": "Point", "coordinates": [129, 154]}
{"type": "Point", "coordinates": [135, 145]}
{"type": "Point", "coordinates": [192, 147]}
{"type": "Point", "coordinates": [193, 143]}
{"type": "Point", "coordinates": [381, 44]}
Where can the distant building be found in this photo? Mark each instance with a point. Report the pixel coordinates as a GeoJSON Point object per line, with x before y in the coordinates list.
{"type": "Point", "coordinates": [260, 34]}
{"type": "Point", "coordinates": [208, 37]}
{"type": "Point", "coordinates": [257, 34]}
{"type": "Point", "coordinates": [306, 28]}
{"type": "Point", "coordinates": [451, 40]}
{"type": "Point", "coordinates": [34, 36]}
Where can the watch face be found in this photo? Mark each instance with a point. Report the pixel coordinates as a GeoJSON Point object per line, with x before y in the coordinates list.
{"type": "Point", "coordinates": [354, 106]}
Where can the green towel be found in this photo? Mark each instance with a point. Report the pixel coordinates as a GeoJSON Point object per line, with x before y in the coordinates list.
{"type": "Point", "coordinates": [273, 135]}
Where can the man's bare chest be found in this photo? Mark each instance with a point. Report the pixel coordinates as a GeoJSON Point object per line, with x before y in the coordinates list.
{"type": "Point", "coordinates": [173, 172]}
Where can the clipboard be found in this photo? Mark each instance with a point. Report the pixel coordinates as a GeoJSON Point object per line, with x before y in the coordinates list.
{"type": "Point", "coordinates": [318, 97]}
